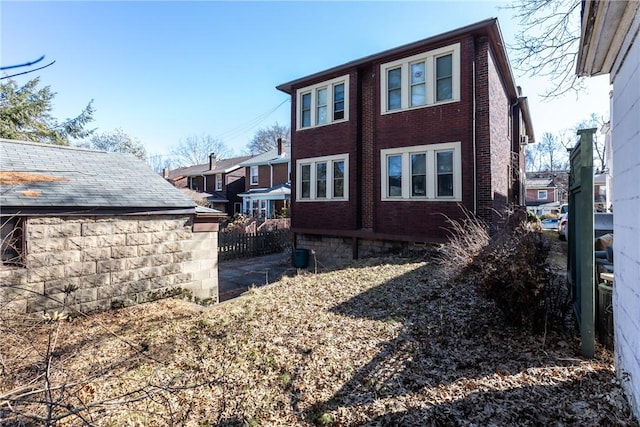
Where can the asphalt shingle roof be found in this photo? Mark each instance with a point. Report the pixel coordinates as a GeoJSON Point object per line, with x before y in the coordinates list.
{"type": "Point", "coordinates": [221, 166]}
{"type": "Point", "coordinates": [85, 179]}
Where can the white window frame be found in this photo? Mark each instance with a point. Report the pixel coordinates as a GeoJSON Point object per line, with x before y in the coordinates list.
{"type": "Point", "coordinates": [218, 181]}
{"type": "Point", "coordinates": [330, 105]}
{"type": "Point", "coordinates": [546, 194]}
{"type": "Point", "coordinates": [431, 186]}
{"type": "Point", "coordinates": [312, 162]}
{"type": "Point", "coordinates": [254, 172]}
{"type": "Point", "coordinates": [430, 81]}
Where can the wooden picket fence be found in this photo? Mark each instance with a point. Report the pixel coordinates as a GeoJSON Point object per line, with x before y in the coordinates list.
{"type": "Point", "coordinates": [239, 245]}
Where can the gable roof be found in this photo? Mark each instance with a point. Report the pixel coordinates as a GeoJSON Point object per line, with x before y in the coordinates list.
{"type": "Point", "coordinates": [539, 183]}
{"type": "Point", "coordinates": [270, 157]}
{"type": "Point", "coordinates": [221, 166]}
{"type": "Point", "coordinates": [43, 177]}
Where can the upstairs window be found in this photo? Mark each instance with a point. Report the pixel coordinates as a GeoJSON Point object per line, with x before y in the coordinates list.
{"type": "Point", "coordinates": [542, 194]}
{"type": "Point", "coordinates": [254, 175]}
{"type": "Point", "coordinates": [425, 172]}
{"type": "Point", "coordinates": [323, 178]}
{"type": "Point", "coordinates": [218, 182]}
{"type": "Point", "coordinates": [323, 104]}
{"type": "Point", "coordinates": [192, 183]}
{"type": "Point", "coordinates": [421, 80]}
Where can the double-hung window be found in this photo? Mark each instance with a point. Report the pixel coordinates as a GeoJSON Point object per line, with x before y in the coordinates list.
{"type": "Point", "coordinates": [254, 175]}
{"type": "Point", "coordinates": [323, 104]}
{"type": "Point", "coordinates": [323, 178]}
{"type": "Point", "coordinates": [421, 80]}
{"type": "Point", "coordinates": [425, 172]}
{"type": "Point", "coordinates": [218, 182]}
{"type": "Point", "coordinates": [542, 194]}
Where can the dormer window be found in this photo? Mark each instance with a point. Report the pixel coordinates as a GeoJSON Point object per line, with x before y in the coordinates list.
{"type": "Point", "coordinates": [323, 104]}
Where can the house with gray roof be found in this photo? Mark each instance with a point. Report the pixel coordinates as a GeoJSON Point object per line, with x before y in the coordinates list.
{"type": "Point", "coordinates": [218, 181]}
{"type": "Point", "coordinates": [267, 191]}
{"type": "Point", "coordinates": [88, 230]}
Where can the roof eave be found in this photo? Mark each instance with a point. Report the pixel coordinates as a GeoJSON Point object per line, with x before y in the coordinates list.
{"type": "Point", "coordinates": [478, 26]}
{"type": "Point", "coordinates": [526, 116]}
{"type": "Point", "coordinates": [604, 29]}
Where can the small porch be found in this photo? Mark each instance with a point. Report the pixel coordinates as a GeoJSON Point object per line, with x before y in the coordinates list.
{"type": "Point", "coordinates": [266, 203]}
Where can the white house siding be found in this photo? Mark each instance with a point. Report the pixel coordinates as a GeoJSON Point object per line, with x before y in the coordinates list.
{"type": "Point", "coordinates": [625, 120]}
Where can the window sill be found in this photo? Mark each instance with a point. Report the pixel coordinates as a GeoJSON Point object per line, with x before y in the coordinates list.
{"type": "Point", "coordinates": [418, 107]}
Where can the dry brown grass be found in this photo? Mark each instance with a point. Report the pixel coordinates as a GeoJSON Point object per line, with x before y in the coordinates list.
{"type": "Point", "coordinates": [384, 342]}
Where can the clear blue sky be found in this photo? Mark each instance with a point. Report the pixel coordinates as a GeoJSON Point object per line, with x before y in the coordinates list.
{"type": "Point", "coordinates": [162, 71]}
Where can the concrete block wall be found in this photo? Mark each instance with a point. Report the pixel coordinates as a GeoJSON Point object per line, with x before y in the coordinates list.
{"type": "Point", "coordinates": [625, 137]}
{"type": "Point", "coordinates": [109, 262]}
{"type": "Point", "coordinates": [336, 251]}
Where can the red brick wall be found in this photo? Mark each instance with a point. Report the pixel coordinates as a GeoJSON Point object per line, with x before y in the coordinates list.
{"type": "Point", "coordinates": [280, 176]}
{"type": "Point", "coordinates": [499, 111]}
{"type": "Point", "coordinates": [280, 173]}
{"type": "Point", "coordinates": [367, 132]}
{"type": "Point", "coordinates": [328, 140]}
{"type": "Point", "coordinates": [532, 195]}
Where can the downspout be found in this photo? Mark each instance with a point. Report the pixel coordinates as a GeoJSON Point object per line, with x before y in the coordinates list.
{"type": "Point", "coordinates": [473, 137]}
{"type": "Point", "coordinates": [268, 213]}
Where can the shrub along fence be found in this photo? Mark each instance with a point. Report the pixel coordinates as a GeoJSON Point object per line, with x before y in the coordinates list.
{"type": "Point", "coordinates": [239, 245]}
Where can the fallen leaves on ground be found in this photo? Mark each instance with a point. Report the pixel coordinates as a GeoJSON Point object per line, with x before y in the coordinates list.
{"type": "Point", "coordinates": [382, 342]}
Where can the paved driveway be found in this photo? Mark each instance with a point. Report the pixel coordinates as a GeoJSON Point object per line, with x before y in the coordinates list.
{"type": "Point", "coordinates": [237, 276]}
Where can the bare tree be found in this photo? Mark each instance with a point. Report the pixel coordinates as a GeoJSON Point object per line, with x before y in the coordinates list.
{"type": "Point", "coordinates": [159, 162]}
{"type": "Point", "coordinates": [117, 141]}
{"type": "Point", "coordinates": [195, 150]}
{"type": "Point", "coordinates": [599, 148]}
{"type": "Point", "coordinates": [549, 154]}
{"type": "Point", "coordinates": [267, 138]}
{"type": "Point", "coordinates": [547, 43]}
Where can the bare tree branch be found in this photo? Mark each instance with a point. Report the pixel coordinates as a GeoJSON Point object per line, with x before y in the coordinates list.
{"type": "Point", "coordinates": [547, 44]}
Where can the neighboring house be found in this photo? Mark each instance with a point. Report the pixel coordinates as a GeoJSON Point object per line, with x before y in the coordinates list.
{"type": "Point", "coordinates": [385, 148]}
{"type": "Point", "coordinates": [72, 224]}
{"type": "Point", "coordinates": [268, 187]}
{"type": "Point", "coordinates": [219, 181]}
{"type": "Point", "coordinates": [610, 44]}
{"type": "Point", "coordinates": [542, 195]}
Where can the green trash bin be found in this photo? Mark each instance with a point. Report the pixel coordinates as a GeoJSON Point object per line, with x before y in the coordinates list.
{"type": "Point", "coordinates": [300, 258]}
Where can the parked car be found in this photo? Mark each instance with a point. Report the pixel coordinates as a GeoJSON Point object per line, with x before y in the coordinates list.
{"type": "Point", "coordinates": [562, 226]}
{"type": "Point", "coordinates": [549, 223]}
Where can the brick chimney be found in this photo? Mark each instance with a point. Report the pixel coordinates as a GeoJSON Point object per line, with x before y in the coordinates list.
{"type": "Point", "coordinates": [165, 173]}
{"type": "Point", "coordinates": [279, 147]}
{"type": "Point", "coordinates": [212, 161]}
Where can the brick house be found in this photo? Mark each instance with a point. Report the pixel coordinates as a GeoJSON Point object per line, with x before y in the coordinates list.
{"type": "Point", "coordinates": [220, 181]}
{"type": "Point", "coordinates": [384, 148]}
{"type": "Point", "coordinates": [542, 195]}
{"type": "Point", "coordinates": [268, 186]}
{"type": "Point", "coordinates": [71, 222]}
{"type": "Point", "coordinates": [610, 44]}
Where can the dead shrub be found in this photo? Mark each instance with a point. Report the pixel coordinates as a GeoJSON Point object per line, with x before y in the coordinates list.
{"type": "Point", "coordinates": [511, 266]}
{"type": "Point", "coordinates": [468, 237]}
